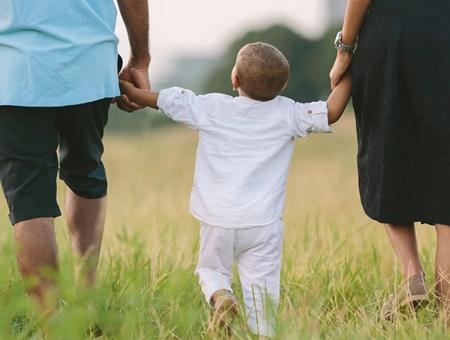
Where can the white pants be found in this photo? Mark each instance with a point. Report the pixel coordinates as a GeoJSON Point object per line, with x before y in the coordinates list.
{"type": "Point", "coordinates": [257, 253]}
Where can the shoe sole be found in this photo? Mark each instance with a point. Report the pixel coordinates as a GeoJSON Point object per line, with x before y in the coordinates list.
{"type": "Point", "coordinates": [414, 303]}
{"type": "Point", "coordinates": [410, 304]}
{"type": "Point", "coordinates": [223, 316]}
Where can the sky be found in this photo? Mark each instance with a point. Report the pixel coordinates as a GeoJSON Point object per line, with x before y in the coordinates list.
{"type": "Point", "coordinates": [207, 27]}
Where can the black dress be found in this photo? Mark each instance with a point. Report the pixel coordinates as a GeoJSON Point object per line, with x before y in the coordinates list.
{"type": "Point", "coordinates": [401, 96]}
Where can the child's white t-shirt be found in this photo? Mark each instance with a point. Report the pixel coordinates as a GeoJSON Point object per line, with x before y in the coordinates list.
{"type": "Point", "coordinates": [245, 147]}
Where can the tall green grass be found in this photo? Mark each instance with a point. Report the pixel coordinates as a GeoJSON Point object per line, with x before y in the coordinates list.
{"type": "Point", "coordinates": [337, 264]}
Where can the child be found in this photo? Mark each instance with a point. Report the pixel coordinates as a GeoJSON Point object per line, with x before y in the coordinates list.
{"type": "Point", "coordinates": [245, 146]}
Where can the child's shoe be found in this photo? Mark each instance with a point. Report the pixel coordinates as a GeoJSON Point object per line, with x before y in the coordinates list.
{"type": "Point", "coordinates": [410, 298]}
{"type": "Point", "coordinates": [225, 309]}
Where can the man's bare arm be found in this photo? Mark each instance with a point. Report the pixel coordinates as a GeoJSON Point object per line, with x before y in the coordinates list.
{"type": "Point", "coordinates": [136, 18]}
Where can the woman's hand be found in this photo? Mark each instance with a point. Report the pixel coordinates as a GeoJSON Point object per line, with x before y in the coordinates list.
{"type": "Point", "coordinates": [341, 65]}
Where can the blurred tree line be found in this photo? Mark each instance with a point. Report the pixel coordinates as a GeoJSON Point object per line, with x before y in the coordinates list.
{"type": "Point", "coordinates": [310, 60]}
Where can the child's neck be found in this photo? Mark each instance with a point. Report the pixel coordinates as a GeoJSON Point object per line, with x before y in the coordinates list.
{"type": "Point", "coordinates": [243, 94]}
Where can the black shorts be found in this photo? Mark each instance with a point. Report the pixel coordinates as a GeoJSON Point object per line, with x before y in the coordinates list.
{"type": "Point", "coordinates": [29, 140]}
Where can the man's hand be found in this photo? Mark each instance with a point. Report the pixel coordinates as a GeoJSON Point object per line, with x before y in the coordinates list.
{"type": "Point", "coordinates": [137, 74]}
{"type": "Point", "coordinates": [136, 19]}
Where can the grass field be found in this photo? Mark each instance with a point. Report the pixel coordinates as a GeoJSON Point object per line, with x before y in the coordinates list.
{"type": "Point", "coordinates": [337, 265]}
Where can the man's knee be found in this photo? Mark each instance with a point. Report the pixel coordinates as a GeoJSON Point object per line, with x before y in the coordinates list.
{"type": "Point", "coordinates": [88, 182]}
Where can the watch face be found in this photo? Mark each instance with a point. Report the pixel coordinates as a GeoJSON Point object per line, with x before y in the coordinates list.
{"type": "Point", "coordinates": [341, 46]}
{"type": "Point", "coordinates": [337, 41]}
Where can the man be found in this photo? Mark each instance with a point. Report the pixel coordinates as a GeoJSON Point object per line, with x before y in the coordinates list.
{"type": "Point", "coordinates": [59, 74]}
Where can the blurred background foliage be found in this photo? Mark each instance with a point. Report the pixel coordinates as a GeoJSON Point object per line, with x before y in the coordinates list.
{"type": "Point", "coordinates": [310, 62]}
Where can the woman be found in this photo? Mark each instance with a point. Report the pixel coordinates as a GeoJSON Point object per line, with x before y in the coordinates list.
{"type": "Point", "coordinates": [401, 96]}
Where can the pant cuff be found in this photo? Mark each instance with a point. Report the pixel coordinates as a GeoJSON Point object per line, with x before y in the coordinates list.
{"type": "Point", "coordinates": [262, 327]}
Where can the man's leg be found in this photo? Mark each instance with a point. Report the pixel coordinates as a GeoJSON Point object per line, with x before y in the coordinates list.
{"type": "Point", "coordinates": [80, 129]}
{"type": "Point", "coordinates": [86, 220]}
{"type": "Point", "coordinates": [28, 170]}
{"type": "Point", "coordinates": [37, 257]}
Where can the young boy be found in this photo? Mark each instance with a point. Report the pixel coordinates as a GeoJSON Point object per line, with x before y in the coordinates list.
{"type": "Point", "coordinates": [244, 151]}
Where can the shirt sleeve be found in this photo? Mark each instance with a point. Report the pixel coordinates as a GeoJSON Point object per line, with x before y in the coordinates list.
{"type": "Point", "coordinates": [182, 105]}
{"type": "Point", "coordinates": [310, 118]}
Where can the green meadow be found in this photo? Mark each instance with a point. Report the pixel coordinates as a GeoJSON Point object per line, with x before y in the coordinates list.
{"type": "Point", "coordinates": [337, 264]}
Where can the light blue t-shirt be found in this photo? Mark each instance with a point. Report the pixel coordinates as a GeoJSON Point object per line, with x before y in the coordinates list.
{"type": "Point", "coordinates": [57, 52]}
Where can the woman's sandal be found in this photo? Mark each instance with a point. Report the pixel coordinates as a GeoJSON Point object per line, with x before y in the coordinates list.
{"type": "Point", "coordinates": [410, 298]}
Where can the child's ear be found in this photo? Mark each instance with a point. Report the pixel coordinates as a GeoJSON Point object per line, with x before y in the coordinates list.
{"type": "Point", "coordinates": [285, 86]}
{"type": "Point", "coordinates": [235, 81]}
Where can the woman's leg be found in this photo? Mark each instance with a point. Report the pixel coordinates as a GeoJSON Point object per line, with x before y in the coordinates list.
{"type": "Point", "coordinates": [403, 240]}
{"type": "Point", "coordinates": [443, 267]}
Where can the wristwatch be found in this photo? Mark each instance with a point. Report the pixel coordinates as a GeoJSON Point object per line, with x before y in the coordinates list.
{"type": "Point", "coordinates": [344, 47]}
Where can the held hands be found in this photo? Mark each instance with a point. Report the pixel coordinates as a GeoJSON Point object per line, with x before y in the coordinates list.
{"type": "Point", "coordinates": [131, 95]}
{"type": "Point", "coordinates": [134, 75]}
{"type": "Point", "coordinates": [341, 65]}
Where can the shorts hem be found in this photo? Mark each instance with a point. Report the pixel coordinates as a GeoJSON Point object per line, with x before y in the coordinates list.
{"type": "Point", "coordinates": [20, 216]}
{"type": "Point", "coordinates": [88, 196]}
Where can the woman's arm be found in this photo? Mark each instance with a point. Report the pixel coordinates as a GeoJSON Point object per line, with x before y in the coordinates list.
{"type": "Point", "coordinates": [354, 18]}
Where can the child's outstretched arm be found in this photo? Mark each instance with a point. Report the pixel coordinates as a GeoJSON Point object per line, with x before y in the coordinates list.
{"type": "Point", "coordinates": [180, 105]}
{"type": "Point", "coordinates": [339, 98]}
{"type": "Point", "coordinates": [139, 96]}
